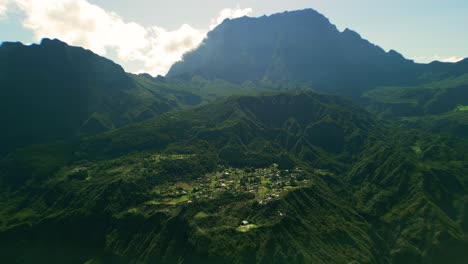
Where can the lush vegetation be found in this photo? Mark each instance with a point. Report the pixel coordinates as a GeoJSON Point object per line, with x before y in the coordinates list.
{"type": "Point", "coordinates": [232, 158]}
{"type": "Point", "coordinates": [428, 99]}
{"type": "Point", "coordinates": [179, 186]}
{"type": "Point", "coordinates": [439, 107]}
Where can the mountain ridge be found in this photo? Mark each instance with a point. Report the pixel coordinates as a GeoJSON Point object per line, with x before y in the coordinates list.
{"type": "Point", "coordinates": [303, 46]}
{"type": "Point", "coordinates": [51, 91]}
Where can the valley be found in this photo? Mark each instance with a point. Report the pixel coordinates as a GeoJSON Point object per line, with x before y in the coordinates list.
{"type": "Point", "coordinates": [245, 152]}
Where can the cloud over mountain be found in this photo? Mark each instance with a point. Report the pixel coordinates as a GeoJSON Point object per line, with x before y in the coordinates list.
{"type": "Point", "coordinates": [79, 22]}
{"type": "Point", "coordinates": [436, 57]}
{"type": "Point", "coordinates": [229, 13]}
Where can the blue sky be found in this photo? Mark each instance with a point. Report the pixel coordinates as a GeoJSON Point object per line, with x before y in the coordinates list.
{"type": "Point", "coordinates": [149, 35]}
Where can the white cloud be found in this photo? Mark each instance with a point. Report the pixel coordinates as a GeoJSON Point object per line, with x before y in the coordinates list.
{"type": "Point", "coordinates": [229, 13]}
{"type": "Point", "coordinates": [427, 59]}
{"type": "Point", "coordinates": [81, 23]}
{"type": "Point", "coordinates": [3, 8]}
{"type": "Point", "coordinates": [167, 47]}
{"type": "Point", "coordinates": [450, 59]}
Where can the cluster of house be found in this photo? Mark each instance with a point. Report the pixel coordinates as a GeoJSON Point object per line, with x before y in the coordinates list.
{"type": "Point", "coordinates": [267, 184]}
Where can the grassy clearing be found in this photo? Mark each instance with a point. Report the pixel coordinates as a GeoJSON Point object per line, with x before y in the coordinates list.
{"type": "Point", "coordinates": [462, 108]}
{"type": "Point", "coordinates": [133, 210]}
{"type": "Point", "coordinates": [200, 215]}
{"type": "Point", "coordinates": [416, 150]}
{"type": "Point", "coordinates": [158, 157]}
{"type": "Point", "coordinates": [169, 201]}
{"type": "Point", "coordinates": [246, 228]}
{"type": "Point", "coordinates": [120, 170]}
{"type": "Point", "coordinates": [184, 185]}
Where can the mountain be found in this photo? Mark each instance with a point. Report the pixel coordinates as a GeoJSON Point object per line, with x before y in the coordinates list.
{"type": "Point", "coordinates": [428, 99]}
{"type": "Point", "coordinates": [303, 46]}
{"type": "Point", "coordinates": [231, 158]}
{"type": "Point", "coordinates": [452, 123]}
{"type": "Point", "coordinates": [438, 106]}
{"type": "Point", "coordinates": [53, 91]}
{"type": "Point", "coordinates": [293, 177]}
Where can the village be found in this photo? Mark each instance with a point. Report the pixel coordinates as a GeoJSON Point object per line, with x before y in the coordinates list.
{"type": "Point", "coordinates": [266, 184]}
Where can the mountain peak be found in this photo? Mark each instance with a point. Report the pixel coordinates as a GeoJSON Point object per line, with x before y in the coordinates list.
{"type": "Point", "coordinates": [351, 33]}
{"type": "Point", "coordinates": [52, 42]}
{"type": "Point", "coordinates": [302, 46]}
{"type": "Point", "coordinates": [8, 44]}
{"type": "Point", "coordinates": [302, 12]}
{"type": "Point", "coordinates": [44, 42]}
{"type": "Point", "coordinates": [395, 54]}
{"type": "Point", "coordinates": [304, 16]}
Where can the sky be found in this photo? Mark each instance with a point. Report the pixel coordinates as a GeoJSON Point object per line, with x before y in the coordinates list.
{"type": "Point", "coordinates": [150, 35]}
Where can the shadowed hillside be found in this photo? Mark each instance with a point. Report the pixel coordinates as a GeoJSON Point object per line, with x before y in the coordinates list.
{"type": "Point", "coordinates": [53, 91]}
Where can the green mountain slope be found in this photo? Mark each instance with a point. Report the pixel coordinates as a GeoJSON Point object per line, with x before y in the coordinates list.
{"type": "Point", "coordinates": [417, 194]}
{"type": "Point", "coordinates": [53, 91]}
{"type": "Point", "coordinates": [316, 179]}
{"type": "Point", "coordinates": [439, 106]}
{"type": "Point", "coordinates": [428, 99]}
